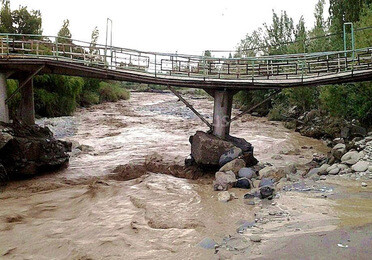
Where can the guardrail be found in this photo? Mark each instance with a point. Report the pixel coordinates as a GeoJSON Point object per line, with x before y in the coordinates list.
{"type": "Point", "coordinates": [279, 67]}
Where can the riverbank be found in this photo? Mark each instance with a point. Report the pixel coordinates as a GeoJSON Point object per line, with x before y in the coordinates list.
{"type": "Point", "coordinates": [86, 212]}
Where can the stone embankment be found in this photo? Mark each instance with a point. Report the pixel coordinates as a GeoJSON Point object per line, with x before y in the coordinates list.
{"type": "Point", "coordinates": [28, 150]}
{"type": "Point", "coordinates": [350, 158]}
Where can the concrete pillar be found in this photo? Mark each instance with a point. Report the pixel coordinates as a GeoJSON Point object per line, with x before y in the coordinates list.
{"type": "Point", "coordinates": [222, 113]}
{"type": "Point", "coordinates": [4, 112]}
{"type": "Point", "coordinates": [27, 107]}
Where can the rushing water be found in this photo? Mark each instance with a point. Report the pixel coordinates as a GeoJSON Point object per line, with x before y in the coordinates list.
{"type": "Point", "coordinates": [77, 213]}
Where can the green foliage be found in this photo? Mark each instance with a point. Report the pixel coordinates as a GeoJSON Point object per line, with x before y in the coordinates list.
{"type": "Point", "coordinates": [88, 98]}
{"type": "Point", "coordinates": [342, 11]}
{"type": "Point", "coordinates": [6, 20]}
{"type": "Point", "coordinates": [349, 101]}
{"type": "Point", "coordinates": [111, 92]}
{"type": "Point", "coordinates": [19, 21]}
{"type": "Point", "coordinates": [65, 33]}
{"type": "Point", "coordinates": [57, 95]}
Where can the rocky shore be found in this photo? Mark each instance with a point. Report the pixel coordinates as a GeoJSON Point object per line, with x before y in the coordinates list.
{"type": "Point", "coordinates": [351, 158]}
{"type": "Point", "coordinates": [29, 150]}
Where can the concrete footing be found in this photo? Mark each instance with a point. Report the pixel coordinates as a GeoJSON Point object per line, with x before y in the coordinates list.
{"type": "Point", "coordinates": [222, 113]}
{"type": "Point", "coordinates": [27, 107]}
{"type": "Point", "coordinates": [4, 112]}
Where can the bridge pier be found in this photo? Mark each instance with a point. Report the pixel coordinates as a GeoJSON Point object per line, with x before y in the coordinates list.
{"type": "Point", "coordinates": [27, 106]}
{"type": "Point", "coordinates": [4, 112]}
{"type": "Point", "coordinates": [222, 112]}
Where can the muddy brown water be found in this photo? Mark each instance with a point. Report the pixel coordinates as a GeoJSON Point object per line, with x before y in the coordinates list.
{"type": "Point", "coordinates": [80, 213]}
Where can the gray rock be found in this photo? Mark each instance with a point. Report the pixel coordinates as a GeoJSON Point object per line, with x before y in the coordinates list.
{"type": "Point", "coordinates": [323, 178]}
{"type": "Point", "coordinates": [248, 173]}
{"type": "Point", "coordinates": [224, 180]}
{"type": "Point", "coordinates": [265, 182]}
{"type": "Point", "coordinates": [323, 169]}
{"type": "Point", "coordinates": [255, 238]}
{"type": "Point", "coordinates": [338, 151]}
{"type": "Point", "coordinates": [364, 184]}
{"type": "Point", "coordinates": [267, 171]}
{"type": "Point", "coordinates": [230, 155]}
{"type": "Point", "coordinates": [224, 196]}
{"type": "Point", "coordinates": [350, 158]}
{"type": "Point", "coordinates": [234, 166]}
{"type": "Point", "coordinates": [339, 141]}
{"type": "Point", "coordinates": [370, 168]}
{"type": "Point", "coordinates": [333, 170]}
{"type": "Point", "coordinates": [360, 166]}
{"type": "Point", "coordinates": [343, 166]}
{"type": "Point", "coordinates": [313, 171]}
{"type": "Point", "coordinates": [207, 243]}
{"type": "Point", "coordinates": [31, 150]}
{"type": "Point", "coordinates": [243, 183]}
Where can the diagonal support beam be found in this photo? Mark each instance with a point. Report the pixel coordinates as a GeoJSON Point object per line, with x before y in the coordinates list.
{"type": "Point", "coordinates": [24, 84]}
{"type": "Point", "coordinates": [190, 107]}
{"type": "Point", "coordinates": [255, 106]}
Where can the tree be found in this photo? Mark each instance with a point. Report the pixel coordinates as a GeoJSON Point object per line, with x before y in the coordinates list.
{"type": "Point", "coordinates": [319, 31]}
{"type": "Point", "coordinates": [19, 21]}
{"type": "Point", "coordinates": [65, 33]}
{"type": "Point", "coordinates": [93, 43]}
{"type": "Point", "coordinates": [26, 22]}
{"type": "Point", "coordinates": [6, 20]}
{"type": "Point", "coordinates": [279, 33]}
{"type": "Point", "coordinates": [342, 11]}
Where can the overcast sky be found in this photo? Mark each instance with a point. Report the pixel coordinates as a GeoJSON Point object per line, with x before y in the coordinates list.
{"type": "Point", "coordinates": [188, 26]}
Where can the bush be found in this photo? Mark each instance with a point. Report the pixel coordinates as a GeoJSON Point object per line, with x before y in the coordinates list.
{"type": "Point", "coordinates": [112, 92]}
{"type": "Point", "coordinates": [349, 101]}
{"type": "Point", "coordinates": [88, 98]}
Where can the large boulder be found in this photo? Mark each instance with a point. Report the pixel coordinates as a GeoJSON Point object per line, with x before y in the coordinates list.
{"type": "Point", "coordinates": [206, 149]}
{"type": "Point", "coordinates": [30, 150]}
{"type": "Point", "coordinates": [209, 150]}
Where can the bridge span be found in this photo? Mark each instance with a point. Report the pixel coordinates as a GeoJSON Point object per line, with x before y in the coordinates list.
{"type": "Point", "coordinates": [24, 56]}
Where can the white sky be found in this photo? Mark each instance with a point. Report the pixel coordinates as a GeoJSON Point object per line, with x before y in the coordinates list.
{"type": "Point", "coordinates": [188, 26]}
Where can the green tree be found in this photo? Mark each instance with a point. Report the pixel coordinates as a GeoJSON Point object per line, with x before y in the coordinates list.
{"type": "Point", "coordinates": [26, 22]}
{"type": "Point", "coordinates": [93, 43]}
{"type": "Point", "coordinates": [6, 20]}
{"type": "Point", "coordinates": [342, 11]}
{"type": "Point", "coordinates": [279, 33]}
{"type": "Point", "coordinates": [65, 33]}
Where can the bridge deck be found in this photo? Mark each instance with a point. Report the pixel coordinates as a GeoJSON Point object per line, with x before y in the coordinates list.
{"type": "Point", "coordinates": [57, 55]}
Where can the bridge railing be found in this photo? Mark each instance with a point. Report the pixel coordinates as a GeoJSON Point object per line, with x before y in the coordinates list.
{"type": "Point", "coordinates": [279, 67]}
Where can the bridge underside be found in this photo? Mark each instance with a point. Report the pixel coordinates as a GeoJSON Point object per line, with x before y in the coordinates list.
{"type": "Point", "coordinates": [222, 90]}
{"type": "Point", "coordinates": [63, 67]}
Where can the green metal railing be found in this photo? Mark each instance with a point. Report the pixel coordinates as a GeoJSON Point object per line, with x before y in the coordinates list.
{"type": "Point", "coordinates": [157, 64]}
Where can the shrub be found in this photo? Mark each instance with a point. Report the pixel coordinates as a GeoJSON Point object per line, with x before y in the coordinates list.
{"type": "Point", "coordinates": [88, 98]}
{"type": "Point", "coordinates": [112, 92]}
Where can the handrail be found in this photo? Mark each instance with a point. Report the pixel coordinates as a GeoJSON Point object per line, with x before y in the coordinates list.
{"type": "Point", "coordinates": [292, 66]}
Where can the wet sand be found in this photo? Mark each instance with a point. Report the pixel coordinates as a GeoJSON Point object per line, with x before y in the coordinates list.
{"type": "Point", "coordinates": [81, 213]}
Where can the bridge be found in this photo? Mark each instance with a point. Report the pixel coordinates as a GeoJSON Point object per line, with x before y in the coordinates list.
{"type": "Point", "coordinates": [24, 56]}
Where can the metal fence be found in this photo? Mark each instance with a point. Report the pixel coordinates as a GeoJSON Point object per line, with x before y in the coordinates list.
{"type": "Point", "coordinates": [156, 64]}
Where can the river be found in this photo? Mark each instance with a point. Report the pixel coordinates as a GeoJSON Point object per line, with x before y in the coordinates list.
{"type": "Point", "coordinates": [87, 211]}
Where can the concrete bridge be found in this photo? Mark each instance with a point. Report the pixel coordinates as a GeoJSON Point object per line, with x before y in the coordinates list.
{"type": "Point", "coordinates": [24, 56]}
